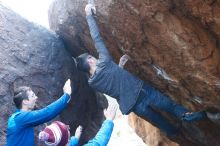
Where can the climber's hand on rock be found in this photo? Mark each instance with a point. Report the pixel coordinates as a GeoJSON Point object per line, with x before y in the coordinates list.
{"type": "Point", "coordinates": [90, 9]}
{"type": "Point", "coordinates": [123, 60]}
{"type": "Point", "coordinates": [110, 112]}
{"type": "Point", "coordinates": [67, 87]}
{"type": "Point", "coordinates": [78, 132]}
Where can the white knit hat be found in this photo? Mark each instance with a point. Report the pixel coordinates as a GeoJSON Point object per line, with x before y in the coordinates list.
{"type": "Point", "coordinates": [56, 134]}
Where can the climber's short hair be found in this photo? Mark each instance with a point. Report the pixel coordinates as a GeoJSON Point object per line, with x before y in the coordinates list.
{"type": "Point", "coordinates": [19, 95]}
{"type": "Point", "coordinates": [81, 62]}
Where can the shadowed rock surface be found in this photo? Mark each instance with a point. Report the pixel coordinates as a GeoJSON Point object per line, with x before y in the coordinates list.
{"type": "Point", "coordinates": [173, 44]}
{"type": "Point", "coordinates": [33, 56]}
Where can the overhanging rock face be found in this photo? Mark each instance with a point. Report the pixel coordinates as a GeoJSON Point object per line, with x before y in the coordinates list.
{"type": "Point", "coordinates": [33, 56]}
{"type": "Point", "coordinates": [173, 44]}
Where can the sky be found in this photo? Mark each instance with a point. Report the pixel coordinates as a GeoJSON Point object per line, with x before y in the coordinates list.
{"type": "Point", "coordinates": [33, 10]}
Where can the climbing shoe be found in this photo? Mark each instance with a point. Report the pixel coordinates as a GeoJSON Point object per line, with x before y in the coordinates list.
{"type": "Point", "coordinates": [214, 117]}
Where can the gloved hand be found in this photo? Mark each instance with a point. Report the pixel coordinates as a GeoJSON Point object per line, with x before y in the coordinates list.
{"type": "Point", "coordinates": [90, 9]}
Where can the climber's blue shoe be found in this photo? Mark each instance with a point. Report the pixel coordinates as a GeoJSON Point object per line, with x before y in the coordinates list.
{"type": "Point", "coordinates": [214, 117]}
{"type": "Point", "coordinates": [193, 116]}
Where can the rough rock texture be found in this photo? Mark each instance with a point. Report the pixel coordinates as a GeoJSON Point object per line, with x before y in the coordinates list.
{"type": "Point", "coordinates": [148, 132]}
{"type": "Point", "coordinates": [173, 44]}
{"type": "Point", "coordinates": [31, 55]}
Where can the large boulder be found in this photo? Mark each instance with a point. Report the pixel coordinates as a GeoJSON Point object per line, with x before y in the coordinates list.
{"type": "Point", "coordinates": [33, 56]}
{"type": "Point", "coordinates": [173, 44]}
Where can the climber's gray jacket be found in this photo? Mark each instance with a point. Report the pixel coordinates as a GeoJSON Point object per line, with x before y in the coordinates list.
{"type": "Point", "coordinates": [109, 78]}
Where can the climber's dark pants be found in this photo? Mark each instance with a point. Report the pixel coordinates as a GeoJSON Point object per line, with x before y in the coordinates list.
{"type": "Point", "coordinates": [150, 99]}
